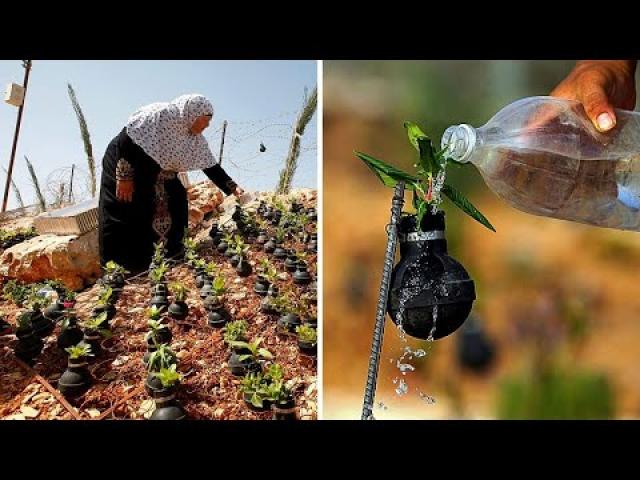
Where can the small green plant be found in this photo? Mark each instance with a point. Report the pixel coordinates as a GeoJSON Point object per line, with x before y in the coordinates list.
{"type": "Point", "coordinates": [155, 326]}
{"type": "Point", "coordinates": [158, 252]}
{"type": "Point", "coordinates": [255, 387]}
{"type": "Point", "coordinates": [168, 376]}
{"type": "Point", "coordinates": [111, 268]}
{"type": "Point", "coordinates": [268, 270]}
{"type": "Point", "coordinates": [228, 239]}
{"type": "Point", "coordinates": [70, 295]}
{"type": "Point", "coordinates": [190, 258]}
{"type": "Point", "coordinates": [255, 351]}
{"type": "Point", "coordinates": [274, 372]}
{"type": "Point", "coordinates": [154, 313]}
{"type": "Point", "coordinates": [277, 391]}
{"type": "Point", "coordinates": [179, 291]}
{"type": "Point", "coordinates": [218, 287]}
{"type": "Point", "coordinates": [157, 274]}
{"type": "Point", "coordinates": [280, 234]}
{"type": "Point", "coordinates": [200, 264]}
{"type": "Point", "coordinates": [36, 302]}
{"type": "Point", "coordinates": [97, 324]}
{"type": "Point", "coordinates": [235, 331]}
{"type": "Point", "coordinates": [239, 245]}
{"type": "Point", "coordinates": [212, 269]}
{"type": "Point", "coordinates": [16, 292]}
{"type": "Point", "coordinates": [307, 334]}
{"type": "Point", "coordinates": [431, 168]}
{"type": "Point", "coordinates": [24, 321]}
{"type": "Point", "coordinates": [163, 357]}
{"type": "Point", "coordinates": [81, 350]}
{"type": "Point", "coordinates": [104, 298]}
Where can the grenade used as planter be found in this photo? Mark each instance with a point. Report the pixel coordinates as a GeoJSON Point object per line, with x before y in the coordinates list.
{"type": "Point", "coordinates": [178, 310]}
{"type": "Point", "coordinates": [302, 275]}
{"type": "Point", "coordinates": [115, 280]}
{"type": "Point", "coordinates": [167, 406]}
{"type": "Point", "coordinates": [94, 339]}
{"type": "Point", "coordinates": [261, 286]}
{"type": "Point", "coordinates": [312, 246]}
{"type": "Point", "coordinates": [54, 311]}
{"type": "Point", "coordinates": [262, 238]}
{"type": "Point", "coordinates": [109, 309]}
{"type": "Point", "coordinates": [288, 322]}
{"type": "Point", "coordinates": [206, 289]}
{"type": "Point", "coordinates": [5, 327]}
{"type": "Point", "coordinates": [308, 348]}
{"type": "Point", "coordinates": [270, 246]}
{"type": "Point", "coordinates": [162, 335]}
{"type": "Point", "coordinates": [160, 288]}
{"type": "Point", "coordinates": [218, 317]}
{"type": "Point", "coordinates": [71, 335]}
{"type": "Point", "coordinates": [201, 278]}
{"type": "Point", "coordinates": [234, 260]}
{"type": "Point", "coordinates": [312, 214]}
{"type": "Point", "coordinates": [284, 410]}
{"type": "Point", "coordinates": [240, 368]}
{"type": "Point", "coordinates": [29, 344]}
{"type": "Point", "coordinates": [42, 326]}
{"type": "Point", "coordinates": [291, 263]}
{"type": "Point", "coordinates": [243, 269]}
{"type": "Point", "coordinates": [427, 283]}
{"type": "Point", "coordinates": [222, 246]}
{"type": "Point", "coordinates": [279, 253]}
{"type": "Point", "coordinates": [311, 322]}
{"type": "Point", "coordinates": [147, 354]}
{"type": "Point", "coordinates": [159, 301]}
{"type": "Point", "coordinates": [76, 379]}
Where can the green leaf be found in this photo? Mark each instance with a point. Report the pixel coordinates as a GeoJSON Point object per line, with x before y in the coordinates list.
{"type": "Point", "coordinates": [264, 353]}
{"type": "Point", "coordinates": [465, 205]}
{"type": "Point", "coordinates": [415, 134]}
{"type": "Point", "coordinates": [387, 174]}
{"type": "Point", "coordinates": [256, 401]}
{"type": "Point", "coordinates": [244, 357]}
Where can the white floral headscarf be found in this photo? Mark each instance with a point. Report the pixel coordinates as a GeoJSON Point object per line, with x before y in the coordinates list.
{"type": "Point", "coordinates": [162, 130]}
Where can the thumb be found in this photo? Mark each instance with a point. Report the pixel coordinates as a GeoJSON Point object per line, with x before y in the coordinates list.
{"type": "Point", "coordinates": [598, 109]}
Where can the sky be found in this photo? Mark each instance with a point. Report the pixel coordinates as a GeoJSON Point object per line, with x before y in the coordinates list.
{"type": "Point", "coordinates": [259, 99]}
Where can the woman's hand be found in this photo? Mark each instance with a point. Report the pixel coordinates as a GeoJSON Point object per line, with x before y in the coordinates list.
{"type": "Point", "coordinates": [124, 190]}
{"type": "Point", "coordinates": [238, 192]}
{"type": "Point", "coordinates": [601, 86]}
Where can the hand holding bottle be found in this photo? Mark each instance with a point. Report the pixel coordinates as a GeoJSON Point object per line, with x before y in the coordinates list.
{"type": "Point", "coordinates": [601, 86]}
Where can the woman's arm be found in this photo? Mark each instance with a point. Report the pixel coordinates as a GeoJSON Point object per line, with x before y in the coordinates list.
{"type": "Point", "coordinates": [223, 181]}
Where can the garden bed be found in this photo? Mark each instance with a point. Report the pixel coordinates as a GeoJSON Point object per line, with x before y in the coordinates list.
{"type": "Point", "coordinates": [208, 389]}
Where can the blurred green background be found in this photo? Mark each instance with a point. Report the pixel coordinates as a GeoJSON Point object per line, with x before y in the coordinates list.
{"type": "Point", "coordinates": [558, 302]}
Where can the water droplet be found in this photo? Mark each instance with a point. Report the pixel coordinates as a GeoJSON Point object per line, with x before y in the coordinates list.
{"type": "Point", "coordinates": [426, 398]}
{"type": "Point", "coordinates": [402, 388]}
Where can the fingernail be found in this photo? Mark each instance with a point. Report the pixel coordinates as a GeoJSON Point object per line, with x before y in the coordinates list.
{"type": "Point", "coordinates": [605, 122]}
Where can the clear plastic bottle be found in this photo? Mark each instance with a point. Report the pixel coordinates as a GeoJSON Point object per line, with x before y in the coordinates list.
{"type": "Point", "coordinates": [544, 156]}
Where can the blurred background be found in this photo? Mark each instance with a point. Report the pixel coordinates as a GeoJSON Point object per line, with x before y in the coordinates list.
{"type": "Point", "coordinates": [555, 329]}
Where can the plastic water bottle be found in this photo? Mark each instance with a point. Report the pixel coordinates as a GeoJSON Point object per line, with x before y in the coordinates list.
{"type": "Point", "coordinates": [543, 156]}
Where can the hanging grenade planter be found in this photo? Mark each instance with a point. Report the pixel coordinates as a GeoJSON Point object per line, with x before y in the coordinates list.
{"type": "Point", "coordinates": [427, 277]}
